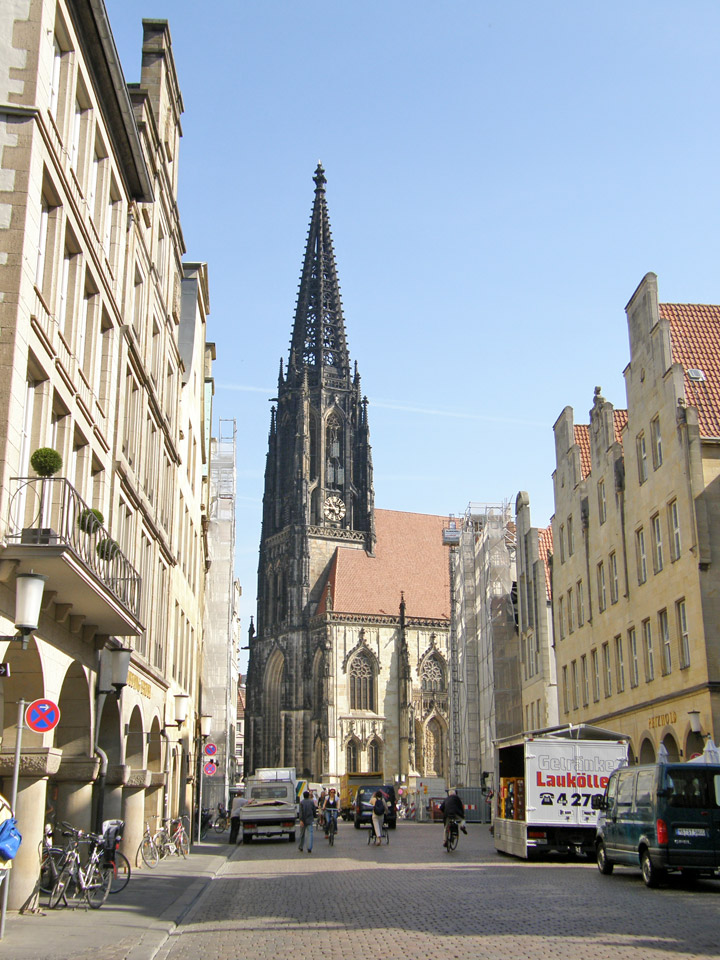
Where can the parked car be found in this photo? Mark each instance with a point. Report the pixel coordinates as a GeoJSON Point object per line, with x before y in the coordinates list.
{"type": "Point", "coordinates": [661, 817]}
{"type": "Point", "coordinates": [362, 809]}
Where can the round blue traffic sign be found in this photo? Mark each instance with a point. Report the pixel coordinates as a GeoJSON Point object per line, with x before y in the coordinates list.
{"type": "Point", "coordinates": [42, 716]}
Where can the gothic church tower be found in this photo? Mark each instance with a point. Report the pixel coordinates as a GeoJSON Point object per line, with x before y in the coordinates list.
{"type": "Point", "coordinates": [318, 495]}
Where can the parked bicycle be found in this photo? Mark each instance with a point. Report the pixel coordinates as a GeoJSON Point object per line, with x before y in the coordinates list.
{"type": "Point", "coordinates": [90, 881]}
{"type": "Point", "coordinates": [222, 823]}
{"type": "Point", "coordinates": [112, 835]}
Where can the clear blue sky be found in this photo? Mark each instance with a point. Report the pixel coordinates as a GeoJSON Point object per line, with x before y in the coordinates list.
{"type": "Point", "coordinates": [501, 175]}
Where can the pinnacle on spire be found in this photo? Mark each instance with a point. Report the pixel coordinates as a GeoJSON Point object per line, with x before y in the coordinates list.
{"type": "Point", "coordinates": [318, 338]}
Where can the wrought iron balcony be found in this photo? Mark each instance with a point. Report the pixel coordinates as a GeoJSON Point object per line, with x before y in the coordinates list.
{"type": "Point", "coordinates": [52, 530]}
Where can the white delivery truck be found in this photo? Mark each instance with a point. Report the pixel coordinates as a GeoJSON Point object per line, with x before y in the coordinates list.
{"type": "Point", "coordinates": [545, 781]}
{"type": "Point", "coordinates": [271, 809]}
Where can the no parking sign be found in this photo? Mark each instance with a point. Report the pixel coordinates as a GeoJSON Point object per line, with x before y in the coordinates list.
{"type": "Point", "coordinates": [42, 716]}
{"type": "Point", "coordinates": [210, 769]}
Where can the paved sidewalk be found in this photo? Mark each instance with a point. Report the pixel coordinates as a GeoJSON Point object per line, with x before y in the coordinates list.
{"type": "Point", "coordinates": [131, 925]}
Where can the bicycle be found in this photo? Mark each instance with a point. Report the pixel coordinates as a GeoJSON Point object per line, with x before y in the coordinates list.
{"type": "Point", "coordinates": [331, 831]}
{"type": "Point", "coordinates": [452, 834]}
{"type": "Point", "coordinates": [222, 823]}
{"type": "Point", "coordinates": [52, 860]}
{"type": "Point", "coordinates": [91, 881]}
{"type": "Point", "coordinates": [384, 833]}
{"type": "Point", "coordinates": [179, 836]}
{"type": "Point", "coordinates": [112, 835]}
{"type": "Point", "coordinates": [148, 851]}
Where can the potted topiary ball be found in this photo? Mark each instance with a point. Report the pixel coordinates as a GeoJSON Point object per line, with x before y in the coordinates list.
{"type": "Point", "coordinates": [107, 549]}
{"type": "Point", "coordinates": [46, 462]}
{"type": "Point", "coordinates": [90, 520]}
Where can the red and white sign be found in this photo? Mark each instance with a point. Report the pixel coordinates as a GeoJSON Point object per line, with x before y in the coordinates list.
{"type": "Point", "coordinates": [42, 716]}
{"type": "Point", "coordinates": [210, 749]}
{"type": "Point", "coordinates": [210, 769]}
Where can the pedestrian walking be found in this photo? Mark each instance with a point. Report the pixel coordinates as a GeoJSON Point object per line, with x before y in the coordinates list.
{"type": "Point", "coordinates": [237, 805]}
{"type": "Point", "coordinates": [379, 809]}
{"type": "Point", "coordinates": [307, 820]}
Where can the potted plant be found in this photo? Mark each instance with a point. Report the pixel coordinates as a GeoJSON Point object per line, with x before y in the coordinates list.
{"type": "Point", "coordinates": [107, 548]}
{"type": "Point", "coordinates": [46, 462]}
{"type": "Point", "coordinates": [90, 520]}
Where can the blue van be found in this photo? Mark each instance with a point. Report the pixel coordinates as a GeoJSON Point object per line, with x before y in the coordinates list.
{"type": "Point", "coordinates": [661, 817]}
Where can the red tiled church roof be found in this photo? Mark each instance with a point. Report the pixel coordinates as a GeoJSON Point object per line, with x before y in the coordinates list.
{"type": "Point", "coordinates": [545, 548]}
{"type": "Point", "coordinates": [695, 340]}
{"type": "Point", "coordinates": [409, 558]}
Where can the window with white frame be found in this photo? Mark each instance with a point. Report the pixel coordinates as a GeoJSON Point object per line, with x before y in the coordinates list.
{"type": "Point", "coordinates": [683, 633]}
{"type": "Point", "coordinates": [642, 458]}
{"type": "Point", "coordinates": [619, 664]}
{"type": "Point", "coordinates": [658, 558]}
{"type": "Point", "coordinates": [614, 583]}
{"type": "Point", "coordinates": [575, 685]}
{"type": "Point", "coordinates": [570, 535]}
{"type": "Point", "coordinates": [674, 525]}
{"type": "Point", "coordinates": [664, 628]}
{"type": "Point", "coordinates": [566, 700]}
{"type": "Point", "coordinates": [596, 673]}
{"type": "Point", "coordinates": [607, 669]}
{"type": "Point", "coordinates": [648, 650]}
{"type": "Point", "coordinates": [656, 441]}
{"type": "Point", "coordinates": [561, 618]}
{"type": "Point", "coordinates": [602, 503]}
{"type": "Point", "coordinates": [641, 555]}
{"type": "Point", "coordinates": [562, 543]}
{"type": "Point", "coordinates": [580, 604]}
{"type": "Point", "coordinates": [602, 596]}
{"type": "Point", "coordinates": [634, 665]}
{"type": "Point", "coordinates": [585, 680]}
{"type": "Point", "coordinates": [570, 611]}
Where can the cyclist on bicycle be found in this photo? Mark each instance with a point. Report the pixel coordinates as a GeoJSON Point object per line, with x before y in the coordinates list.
{"type": "Point", "coordinates": [330, 809]}
{"type": "Point", "coordinates": [452, 809]}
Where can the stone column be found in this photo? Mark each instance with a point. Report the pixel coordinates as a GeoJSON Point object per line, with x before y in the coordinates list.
{"type": "Point", "coordinates": [134, 814]}
{"type": "Point", "coordinates": [75, 790]}
{"type": "Point", "coordinates": [116, 779]}
{"type": "Point", "coordinates": [36, 764]}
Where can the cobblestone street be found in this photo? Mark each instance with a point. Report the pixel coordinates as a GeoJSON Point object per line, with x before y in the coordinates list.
{"type": "Point", "coordinates": [412, 899]}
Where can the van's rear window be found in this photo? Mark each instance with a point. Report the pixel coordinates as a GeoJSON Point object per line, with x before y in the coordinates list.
{"type": "Point", "coordinates": [693, 787]}
{"type": "Point", "coordinates": [269, 793]}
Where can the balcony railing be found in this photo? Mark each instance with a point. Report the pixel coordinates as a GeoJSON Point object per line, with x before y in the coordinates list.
{"type": "Point", "coordinates": [49, 512]}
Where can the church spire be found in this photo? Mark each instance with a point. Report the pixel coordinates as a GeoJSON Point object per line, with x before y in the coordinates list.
{"type": "Point", "coordinates": [318, 338]}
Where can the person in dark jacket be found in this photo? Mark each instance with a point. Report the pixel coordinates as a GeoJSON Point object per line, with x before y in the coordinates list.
{"type": "Point", "coordinates": [307, 820]}
{"type": "Point", "coordinates": [452, 808]}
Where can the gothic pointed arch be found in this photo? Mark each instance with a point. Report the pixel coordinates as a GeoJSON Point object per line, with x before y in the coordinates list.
{"type": "Point", "coordinates": [361, 647]}
{"type": "Point", "coordinates": [375, 755]}
{"type": "Point", "coordinates": [319, 683]}
{"type": "Point", "coordinates": [435, 747]}
{"type": "Point", "coordinates": [352, 755]}
{"type": "Point", "coordinates": [362, 681]}
{"type": "Point", "coordinates": [433, 673]}
{"type": "Point", "coordinates": [273, 689]}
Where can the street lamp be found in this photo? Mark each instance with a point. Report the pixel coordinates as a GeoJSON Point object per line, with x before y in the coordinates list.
{"type": "Point", "coordinates": [181, 708]}
{"type": "Point", "coordinates": [695, 721]}
{"type": "Point", "coordinates": [28, 599]}
{"type": "Point", "coordinates": [205, 725]}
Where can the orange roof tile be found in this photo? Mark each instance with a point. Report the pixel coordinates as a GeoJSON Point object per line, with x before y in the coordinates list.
{"type": "Point", "coordinates": [409, 558]}
{"type": "Point", "coordinates": [694, 336]}
{"type": "Point", "coordinates": [582, 439]}
{"type": "Point", "coordinates": [545, 548]}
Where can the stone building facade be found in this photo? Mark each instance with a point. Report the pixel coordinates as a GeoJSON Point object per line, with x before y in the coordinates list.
{"type": "Point", "coordinates": [94, 297]}
{"type": "Point", "coordinates": [635, 572]}
{"type": "Point", "coordinates": [535, 624]}
{"type": "Point", "coordinates": [348, 666]}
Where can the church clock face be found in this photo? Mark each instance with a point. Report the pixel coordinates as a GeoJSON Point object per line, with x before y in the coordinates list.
{"type": "Point", "coordinates": [334, 509]}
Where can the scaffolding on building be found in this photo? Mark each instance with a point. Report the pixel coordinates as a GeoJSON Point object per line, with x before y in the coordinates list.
{"type": "Point", "coordinates": [219, 670]}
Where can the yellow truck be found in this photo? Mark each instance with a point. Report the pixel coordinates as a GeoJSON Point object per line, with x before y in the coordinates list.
{"type": "Point", "coordinates": [349, 783]}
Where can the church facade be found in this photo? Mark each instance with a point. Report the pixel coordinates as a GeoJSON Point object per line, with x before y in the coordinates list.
{"type": "Point", "coordinates": [349, 663]}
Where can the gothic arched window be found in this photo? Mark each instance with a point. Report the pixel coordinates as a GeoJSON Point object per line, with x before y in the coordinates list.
{"type": "Point", "coordinates": [374, 756]}
{"type": "Point", "coordinates": [352, 757]}
{"type": "Point", "coordinates": [334, 469]}
{"type": "Point", "coordinates": [432, 675]}
{"type": "Point", "coordinates": [362, 683]}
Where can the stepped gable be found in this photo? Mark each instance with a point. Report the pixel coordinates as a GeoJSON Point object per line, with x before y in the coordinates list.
{"type": "Point", "coordinates": [694, 336]}
{"type": "Point", "coordinates": [409, 559]}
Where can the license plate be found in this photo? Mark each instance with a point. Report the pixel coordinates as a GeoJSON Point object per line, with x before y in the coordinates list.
{"type": "Point", "coordinates": [690, 832]}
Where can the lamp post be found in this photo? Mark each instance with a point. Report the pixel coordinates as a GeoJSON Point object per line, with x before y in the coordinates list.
{"type": "Point", "coordinates": [29, 589]}
{"type": "Point", "coordinates": [112, 677]}
{"type": "Point", "coordinates": [204, 725]}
